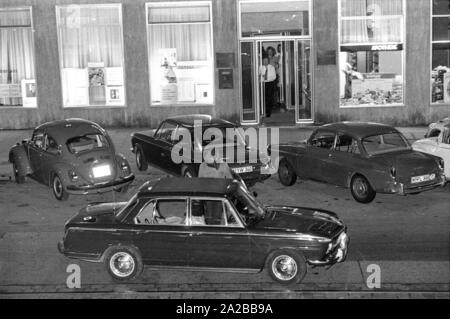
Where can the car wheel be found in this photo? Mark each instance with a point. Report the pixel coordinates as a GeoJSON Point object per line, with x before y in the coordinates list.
{"type": "Point", "coordinates": [18, 178]}
{"type": "Point", "coordinates": [286, 173]}
{"type": "Point", "coordinates": [361, 190]}
{"type": "Point", "coordinates": [287, 267]}
{"type": "Point", "coordinates": [123, 263]}
{"type": "Point", "coordinates": [141, 162]}
{"type": "Point", "coordinates": [189, 173]}
{"type": "Point", "coordinates": [58, 189]}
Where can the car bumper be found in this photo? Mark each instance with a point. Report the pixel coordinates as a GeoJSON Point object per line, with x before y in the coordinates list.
{"type": "Point", "coordinates": [403, 189]}
{"type": "Point", "coordinates": [335, 254]}
{"type": "Point", "coordinates": [100, 188]}
{"type": "Point", "coordinates": [86, 257]}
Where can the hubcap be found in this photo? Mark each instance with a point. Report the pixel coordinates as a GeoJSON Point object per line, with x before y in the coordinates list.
{"type": "Point", "coordinates": [284, 267]}
{"type": "Point", "coordinates": [284, 171]}
{"type": "Point", "coordinates": [57, 186]}
{"type": "Point", "coordinates": [188, 174]}
{"type": "Point", "coordinates": [122, 264]}
{"type": "Point", "coordinates": [360, 187]}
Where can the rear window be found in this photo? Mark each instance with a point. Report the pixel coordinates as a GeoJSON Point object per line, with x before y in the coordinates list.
{"type": "Point", "coordinates": [87, 143]}
{"type": "Point", "coordinates": [384, 143]}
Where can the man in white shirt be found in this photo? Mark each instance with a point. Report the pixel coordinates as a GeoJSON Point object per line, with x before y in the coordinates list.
{"type": "Point", "coordinates": [268, 75]}
{"type": "Point", "coordinates": [211, 168]}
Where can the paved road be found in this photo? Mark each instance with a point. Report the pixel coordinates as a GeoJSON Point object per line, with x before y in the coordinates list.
{"type": "Point", "coordinates": [409, 237]}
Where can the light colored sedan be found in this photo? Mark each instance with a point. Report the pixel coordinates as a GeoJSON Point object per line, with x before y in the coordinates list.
{"type": "Point", "coordinates": [437, 143]}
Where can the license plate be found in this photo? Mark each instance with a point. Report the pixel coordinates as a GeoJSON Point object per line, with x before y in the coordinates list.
{"type": "Point", "coordinates": [240, 170]}
{"type": "Point", "coordinates": [101, 171]}
{"type": "Point", "coordinates": [423, 178]}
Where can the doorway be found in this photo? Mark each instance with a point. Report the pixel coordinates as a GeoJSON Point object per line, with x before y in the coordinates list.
{"type": "Point", "coordinates": [291, 102]}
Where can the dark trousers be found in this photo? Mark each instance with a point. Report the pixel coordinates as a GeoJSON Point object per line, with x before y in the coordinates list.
{"type": "Point", "coordinates": [270, 88]}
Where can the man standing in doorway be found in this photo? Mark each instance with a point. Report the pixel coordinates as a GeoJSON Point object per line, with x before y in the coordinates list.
{"type": "Point", "coordinates": [268, 76]}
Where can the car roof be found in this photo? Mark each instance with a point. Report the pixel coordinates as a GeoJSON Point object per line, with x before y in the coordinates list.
{"type": "Point", "coordinates": [62, 130]}
{"type": "Point", "coordinates": [207, 120]}
{"type": "Point", "coordinates": [176, 186]}
{"type": "Point", "coordinates": [360, 129]}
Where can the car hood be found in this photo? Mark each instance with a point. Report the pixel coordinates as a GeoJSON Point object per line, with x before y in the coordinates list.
{"type": "Point", "coordinates": [100, 213]}
{"type": "Point", "coordinates": [302, 220]}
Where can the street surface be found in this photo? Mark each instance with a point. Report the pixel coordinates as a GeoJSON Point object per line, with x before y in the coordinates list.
{"type": "Point", "coordinates": [408, 237]}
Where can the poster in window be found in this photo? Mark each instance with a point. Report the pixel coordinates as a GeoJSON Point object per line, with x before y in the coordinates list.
{"type": "Point", "coordinates": [115, 95]}
{"type": "Point", "coordinates": [76, 87]}
{"type": "Point", "coordinates": [168, 64]}
{"type": "Point", "coordinates": [96, 74]}
{"type": "Point", "coordinates": [447, 87]}
{"type": "Point", "coordinates": [29, 93]}
{"type": "Point", "coordinates": [114, 76]}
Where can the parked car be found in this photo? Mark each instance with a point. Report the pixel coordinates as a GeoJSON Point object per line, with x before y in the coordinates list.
{"type": "Point", "coordinates": [204, 224]}
{"type": "Point", "coordinates": [365, 157]}
{"type": "Point", "coordinates": [437, 143]}
{"type": "Point", "coordinates": [72, 156]}
{"type": "Point", "coordinates": [154, 147]}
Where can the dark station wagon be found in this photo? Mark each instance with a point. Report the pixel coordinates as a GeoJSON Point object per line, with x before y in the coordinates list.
{"type": "Point", "coordinates": [365, 157]}
{"type": "Point", "coordinates": [204, 224]}
{"type": "Point", "coordinates": [72, 156]}
{"type": "Point", "coordinates": [154, 147]}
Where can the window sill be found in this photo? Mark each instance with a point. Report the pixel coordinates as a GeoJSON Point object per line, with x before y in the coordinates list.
{"type": "Point", "coordinates": [371, 106]}
{"type": "Point", "coordinates": [181, 105]}
{"type": "Point", "coordinates": [13, 107]}
{"type": "Point", "coordinates": [94, 107]}
{"type": "Point", "coordinates": [440, 104]}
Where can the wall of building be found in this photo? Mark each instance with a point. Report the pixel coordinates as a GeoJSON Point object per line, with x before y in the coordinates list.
{"type": "Point", "coordinates": [138, 111]}
{"type": "Point", "coordinates": [417, 109]}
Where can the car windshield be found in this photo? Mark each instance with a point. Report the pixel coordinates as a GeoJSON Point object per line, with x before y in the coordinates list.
{"type": "Point", "coordinates": [247, 206]}
{"type": "Point", "coordinates": [87, 142]}
{"type": "Point", "coordinates": [385, 143]}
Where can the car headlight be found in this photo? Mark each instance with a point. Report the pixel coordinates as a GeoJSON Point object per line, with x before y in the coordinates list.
{"type": "Point", "coordinates": [73, 176]}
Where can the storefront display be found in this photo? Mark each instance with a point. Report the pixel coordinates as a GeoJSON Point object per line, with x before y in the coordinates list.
{"type": "Point", "coordinates": [180, 53]}
{"type": "Point", "coordinates": [371, 53]}
{"type": "Point", "coordinates": [90, 40]}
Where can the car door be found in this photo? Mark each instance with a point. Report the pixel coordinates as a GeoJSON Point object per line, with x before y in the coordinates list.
{"type": "Point", "coordinates": [163, 147]}
{"type": "Point", "coordinates": [218, 237]}
{"type": "Point", "coordinates": [35, 149]}
{"type": "Point", "coordinates": [342, 160]}
{"type": "Point", "coordinates": [318, 148]}
{"type": "Point", "coordinates": [161, 231]}
{"type": "Point", "coordinates": [49, 157]}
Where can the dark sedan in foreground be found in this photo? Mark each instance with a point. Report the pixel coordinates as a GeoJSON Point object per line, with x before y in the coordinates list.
{"type": "Point", "coordinates": [365, 157]}
{"type": "Point", "coordinates": [155, 147]}
{"type": "Point", "coordinates": [72, 156]}
{"type": "Point", "coordinates": [204, 224]}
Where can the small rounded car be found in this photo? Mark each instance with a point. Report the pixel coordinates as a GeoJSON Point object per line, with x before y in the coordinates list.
{"type": "Point", "coordinates": [72, 156]}
{"type": "Point", "coordinates": [204, 224]}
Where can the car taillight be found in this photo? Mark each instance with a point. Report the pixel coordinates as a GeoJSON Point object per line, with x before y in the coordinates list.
{"type": "Point", "coordinates": [441, 163]}
{"type": "Point", "coordinates": [125, 167]}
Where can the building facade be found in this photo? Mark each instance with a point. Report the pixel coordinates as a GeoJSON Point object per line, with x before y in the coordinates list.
{"type": "Point", "coordinates": [135, 62]}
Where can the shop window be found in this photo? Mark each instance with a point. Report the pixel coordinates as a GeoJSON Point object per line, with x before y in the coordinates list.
{"type": "Point", "coordinates": [17, 70]}
{"type": "Point", "coordinates": [371, 52]}
{"type": "Point", "coordinates": [281, 18]}
{"type": "Point", "coordinates": [440, 74]}
{"type": "Point", "coordinates": [91, 55]}
{"type": "Point", "coordinates": [180, 53]}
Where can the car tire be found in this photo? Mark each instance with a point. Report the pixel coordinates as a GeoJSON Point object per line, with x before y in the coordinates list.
{"type": "Point", "coordinates": [361, 190]}
{"type": "Point", "coordinates": [287, 267]}
{"type": "Point", "coordinates": [18, 178]}
{"type": "Point", "coordinates": [141, 161]}
{"type": "Point", "coordinates": [58, 188]}
{"type": "Point", "coordinates": [286, 173]}
{"type": "Point", "coordinates": [188, 172]}
{"type": "Point", "coordinates": [123, 263]}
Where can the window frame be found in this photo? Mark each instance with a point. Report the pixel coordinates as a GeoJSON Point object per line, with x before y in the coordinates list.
{"type": "Point", "coordinates": [274, 37]}
{"type": "Point", "coordinates": [432, 16]}
{"type": "Point", "coordinates": [171, 4]}
{"type": "Point", "coordinates": [403, 43]}
{"type": "Point", "coordinates": [225, 202]}
{"type": "Point", "coordinates": [60, 54]}
{"type": "Point", "coordinates": [31, 26]}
